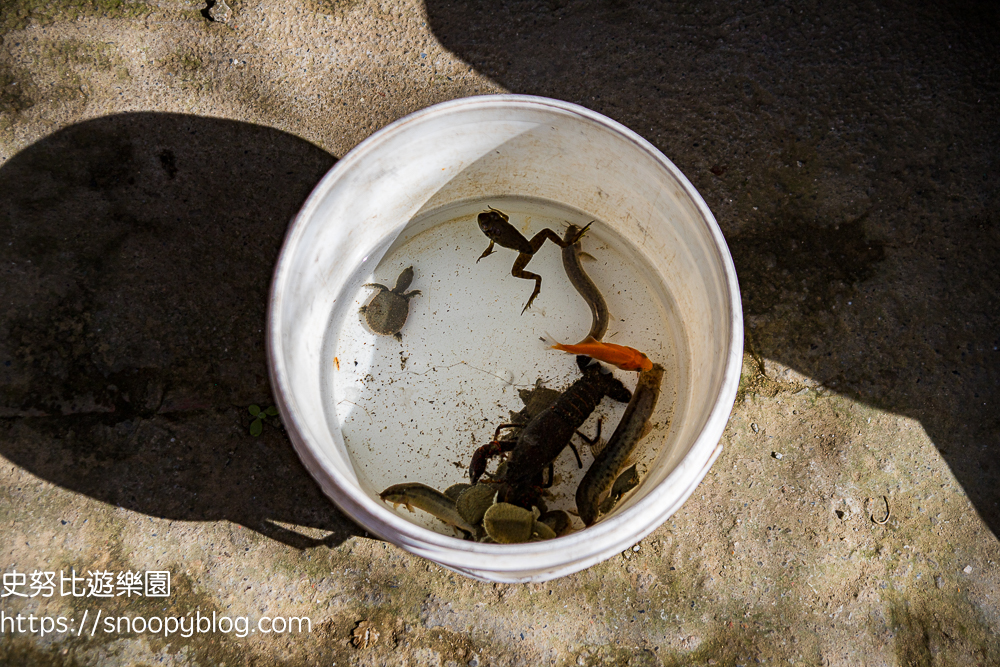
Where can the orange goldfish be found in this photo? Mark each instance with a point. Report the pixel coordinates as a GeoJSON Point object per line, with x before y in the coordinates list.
{"type": "Point", "coordinates": [625, 358]}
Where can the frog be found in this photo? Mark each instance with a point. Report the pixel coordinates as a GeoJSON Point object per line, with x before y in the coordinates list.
{"type": "Point", "coordinates": [496, 225]}
{"type": "Point", "coordinates": [386, 313]}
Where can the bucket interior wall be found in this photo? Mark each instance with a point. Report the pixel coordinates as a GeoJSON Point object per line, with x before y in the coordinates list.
{"type": "Point", "coordinates": [415, 410]}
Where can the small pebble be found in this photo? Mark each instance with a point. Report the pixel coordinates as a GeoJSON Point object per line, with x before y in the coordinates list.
{"type": "Point", "coordinates": [635, 548]}
{"type": "Point", "coordinates": [777, 455]}
{"type": "Point", "coordinates": [968, 569]}
{"type": "Point", "coordinates": [220, 12]}
{"type": "Point", "coordinates": [474, 662]}
{"type": "Point", "coordinates": [754, 427]}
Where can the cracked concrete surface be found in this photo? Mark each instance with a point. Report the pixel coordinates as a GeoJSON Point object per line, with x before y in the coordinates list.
{"type": "Point", "coordinates": [151, 159]}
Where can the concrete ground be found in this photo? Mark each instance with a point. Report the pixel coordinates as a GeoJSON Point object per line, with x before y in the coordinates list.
{"type": "Point", "coordinates": [151, 159]}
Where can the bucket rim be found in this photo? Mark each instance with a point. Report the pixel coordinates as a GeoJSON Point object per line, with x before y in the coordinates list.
{"type": "Point", "coordinates": [533, 561]}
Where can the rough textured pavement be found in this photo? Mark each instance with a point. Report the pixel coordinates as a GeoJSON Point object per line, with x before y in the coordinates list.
{"type": "Point", "coordinates": [151, 159]}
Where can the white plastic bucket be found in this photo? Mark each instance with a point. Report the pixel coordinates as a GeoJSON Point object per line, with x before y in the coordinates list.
{"type": "Point", "coordinates": [552, 151]}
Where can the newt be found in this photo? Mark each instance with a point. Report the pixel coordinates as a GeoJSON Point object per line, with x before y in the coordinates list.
{"type": "Point", "coordinates": [584, 285]}
{"type": "Point", "coordinates": [605, 468]}
{"type": "Point", "coordinates": [626, 481]}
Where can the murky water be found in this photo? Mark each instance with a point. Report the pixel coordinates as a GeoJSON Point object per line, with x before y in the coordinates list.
{"type": "Point", "coordinates": [415, 410]}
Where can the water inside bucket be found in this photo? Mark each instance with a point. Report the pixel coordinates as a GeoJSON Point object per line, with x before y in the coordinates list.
{"type": "Point", "coordinates": [415, 410]}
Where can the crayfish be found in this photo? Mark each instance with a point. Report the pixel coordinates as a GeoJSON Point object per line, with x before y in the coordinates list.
{"type": "Point", "coordinates": [544, 437]}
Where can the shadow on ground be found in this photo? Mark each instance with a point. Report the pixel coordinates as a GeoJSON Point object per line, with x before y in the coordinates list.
{"type": "Point", "coordinates": [850, 152]}
{"type": "Point", "coordinates": [136, 255]}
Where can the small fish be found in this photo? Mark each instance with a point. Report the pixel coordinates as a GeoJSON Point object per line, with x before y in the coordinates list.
{"type": "Point", "coordinates": [625, 358]}
{"type": "Point", "coordinates": [421, 496]}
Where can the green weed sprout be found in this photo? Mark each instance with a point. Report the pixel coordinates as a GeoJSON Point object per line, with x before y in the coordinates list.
{"type": "Point", "coordinates": [257, 425]}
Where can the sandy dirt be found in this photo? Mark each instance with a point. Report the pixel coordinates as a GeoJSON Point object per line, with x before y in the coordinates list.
{"type": "Point", "coordinates": [151, 159]}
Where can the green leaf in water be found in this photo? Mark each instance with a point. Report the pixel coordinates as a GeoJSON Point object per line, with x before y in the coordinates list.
{"type": "Point", "coordinates": [256, 427]}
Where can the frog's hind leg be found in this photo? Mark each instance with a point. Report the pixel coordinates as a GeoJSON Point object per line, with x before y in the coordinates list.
{"type": "Point", "coordinates": [546, 234]}
{"type": "Point", "coordinates": [518, 272]}
{"type": "Point", "coordinates": [522, 260]}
